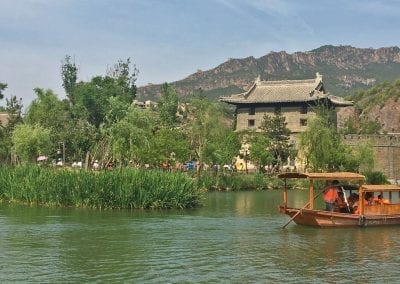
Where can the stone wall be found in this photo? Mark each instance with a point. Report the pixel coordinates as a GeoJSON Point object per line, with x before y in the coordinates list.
{"type": "Point", "coordinates": [292, 115]}
{"type": "Point", "coordinates": [386, 151]}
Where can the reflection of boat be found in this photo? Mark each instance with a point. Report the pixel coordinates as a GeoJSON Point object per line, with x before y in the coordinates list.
{"type": "Point", "coordinates": [368, 214]}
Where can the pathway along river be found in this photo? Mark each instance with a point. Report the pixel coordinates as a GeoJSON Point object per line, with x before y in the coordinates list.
{"type": "Point", "coordinates": [234, 238]}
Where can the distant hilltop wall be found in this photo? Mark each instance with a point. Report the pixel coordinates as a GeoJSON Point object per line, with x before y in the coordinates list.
{"type": "Point", "coordinates": [386, 152]}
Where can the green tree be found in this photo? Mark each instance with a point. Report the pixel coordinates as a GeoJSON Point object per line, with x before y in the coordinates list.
{"type": "Point", "coordinates": [361, 126]}
{"type": "Point", "coordinates": [259, 151]}
{"type": "Point", "coordinates": [2, 88]}
{"type": "Point", "coordinates": [30, 141]}
{"type": "Point", "coordinates": [364, 154]}
{"type": "Point", "coordinates": [323, 149]}
{"type": "Point", "coordinates": [130, 138]}
{"type": "Point", "coordinates": [69, 75]}
{"type": "Point", "coordinates": [14, 111]}
{"type": "Point", "coordinates": [91, 100]}
{"type": "Point", "coordinates": [369, 127]}
{"type": "Point", "coordinates": [275, 129]}
{"type": "Point", "coordinates": [223, 146]}
{"type": "Point", "coordinates": [48, 111]}
{"type": "Point", "coordinates": [211, 140]}
{"type": "Point", "coordinates": [168, 104]}
{"type": "Point", "coordinates": [125, 77]}
{"type": "Point", "coordinates": [168, 144]}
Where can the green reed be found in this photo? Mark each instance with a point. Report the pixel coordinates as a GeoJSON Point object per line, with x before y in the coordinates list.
{"type": "Point", "coordinates": [118, 188]}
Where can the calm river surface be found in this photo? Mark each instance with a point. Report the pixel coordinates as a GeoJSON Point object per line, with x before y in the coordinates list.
{"type": "Point", "coordinates": [234, 238]}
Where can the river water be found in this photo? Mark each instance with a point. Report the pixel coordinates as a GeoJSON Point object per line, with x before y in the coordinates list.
{"type": "Point", "coordinates": [236, 237]}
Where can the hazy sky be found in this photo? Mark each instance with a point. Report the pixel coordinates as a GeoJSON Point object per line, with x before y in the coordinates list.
{"type": "Point", "coordinates": [171, 39]}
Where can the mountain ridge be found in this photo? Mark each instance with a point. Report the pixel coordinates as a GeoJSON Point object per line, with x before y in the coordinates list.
{"type": "Point", "coordinates": [345, 69]}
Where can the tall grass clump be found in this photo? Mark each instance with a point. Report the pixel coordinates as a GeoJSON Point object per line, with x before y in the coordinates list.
{"type": "Point", "coordinates": [119, 188]}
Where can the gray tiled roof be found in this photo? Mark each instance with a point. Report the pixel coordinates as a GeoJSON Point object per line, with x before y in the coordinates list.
{"type": "Point", "coordinates": [284, 91]}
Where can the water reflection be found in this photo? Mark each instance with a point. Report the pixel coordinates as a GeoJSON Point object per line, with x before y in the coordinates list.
{"type": "Point", "coordinates": [235, 238]}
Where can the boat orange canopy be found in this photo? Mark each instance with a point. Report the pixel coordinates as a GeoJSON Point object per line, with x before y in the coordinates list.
{"type": "Point", "coordinates": [380, 187]}
{"type": "Point", "coordinates": [311, 177]}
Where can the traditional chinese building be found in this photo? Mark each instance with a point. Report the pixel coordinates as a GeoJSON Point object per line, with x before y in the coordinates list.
{"type": "Point", "coordinates": [3, 119]}
{"type": "Point", "coordinates": [294, 98]}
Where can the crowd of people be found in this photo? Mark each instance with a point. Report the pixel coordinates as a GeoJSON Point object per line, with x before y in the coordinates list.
{"type": "Point", "coordinates": [336, 200]}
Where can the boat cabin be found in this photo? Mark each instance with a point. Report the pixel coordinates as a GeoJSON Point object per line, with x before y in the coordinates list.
{"type": "Point", "coordinates": [356, 203]}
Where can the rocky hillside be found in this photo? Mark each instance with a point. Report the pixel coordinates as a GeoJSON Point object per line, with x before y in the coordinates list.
{"type": "Point", "coordinates": [380, 104]}
{"type": "Point", "coordinates": [344, 68]}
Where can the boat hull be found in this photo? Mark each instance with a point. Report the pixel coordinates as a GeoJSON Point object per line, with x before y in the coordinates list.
{"type": "Point", "coordinates": [321, 218]}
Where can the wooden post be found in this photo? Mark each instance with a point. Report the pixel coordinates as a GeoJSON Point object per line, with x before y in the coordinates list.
{"type": "Point", "coordinates": [361, 199]}
{"type": "Point", "coordinates": [311, 194]}
{"type": "Point", "coordinates": [285, 195]}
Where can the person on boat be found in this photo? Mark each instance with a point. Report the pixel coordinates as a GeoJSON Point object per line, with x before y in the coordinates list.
{"type": "Point", "coordinates": [381, 200]}
{"type": "Point", "coordinates": [369, 197]}
{"type": "Point", "coordinates": [366, 202]}
{"type": "Point", "coordinates": [353, 202]}
{"type": "Point", "coordinates": [331, 195]}
{"type": "Point", "coordinates": [340, 204]}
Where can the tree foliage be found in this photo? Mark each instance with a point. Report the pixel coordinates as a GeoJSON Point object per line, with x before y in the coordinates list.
{"type": "Point", "coordinates": [14, 112]}
{"type": "Point", "coordinates": [323, 150]}
{"type": "Point", "coordinates": [361, 126]}
{"type": "Point", "coordinates": [91, 100]}
{"type": "Point", "coordinates": [30, 141]}
{"type": "Point", "coordinates": [125, 77]}
{"type": "Point", "coordinates": [3, 86]}
{"type": "Point", "coordinates": [259, 150]}
{"type": "Point", "coordinates": [131, 136]}
{"type": "Point", "coordinates": [275, 130]}
{"type": "Point", "coordinates": [211, 140]}
{"type": "Point", "coordinates": [69, 75]}
{"type": "Point", "coordinates": [168, 104]}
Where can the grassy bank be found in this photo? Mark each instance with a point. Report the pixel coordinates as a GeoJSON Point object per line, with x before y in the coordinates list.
{"type": "Point", "coordinates": [237, 181]}
{"type": "Point", "coordinates": [119, 188]}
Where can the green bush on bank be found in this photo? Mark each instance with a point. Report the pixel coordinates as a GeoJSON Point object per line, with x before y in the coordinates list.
{"type": "Point", "coordinates": [119, 188]}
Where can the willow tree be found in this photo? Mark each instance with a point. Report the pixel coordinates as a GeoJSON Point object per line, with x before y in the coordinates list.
{"type": "Point", "coordinates": [323, 150]}
{"type": "Point", "coordinates": [130, 137]}
{"type": "Point", "coordinates": [211, 140]}
{"type": "Point", "coordinates": [30, 141]}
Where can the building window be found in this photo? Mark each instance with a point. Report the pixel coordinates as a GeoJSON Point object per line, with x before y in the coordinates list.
{"type": "Point", "coordinates": [252, 111]}
{"type": "Point", "coordinates": [303, 110]}
{"type": "Point", "coordinates": [303, 122]}
{"type": "Point", "coordinates": [251, 123]}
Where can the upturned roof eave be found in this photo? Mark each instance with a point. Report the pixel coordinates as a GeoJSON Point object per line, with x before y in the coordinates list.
{"type": "Point", "coordinates": [231, 101]}
{"type": "Point", "coordinates": [245, 102]}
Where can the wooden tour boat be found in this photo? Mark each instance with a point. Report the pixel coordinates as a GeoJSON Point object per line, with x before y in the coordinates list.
{"type": "Point", "coordinates": [364, 205]}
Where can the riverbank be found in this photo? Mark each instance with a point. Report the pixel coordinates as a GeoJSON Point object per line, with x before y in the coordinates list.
{"type": "Point", "coordinates": [121, 188]}
{"type": "Point", "coordinates": [231, 181]}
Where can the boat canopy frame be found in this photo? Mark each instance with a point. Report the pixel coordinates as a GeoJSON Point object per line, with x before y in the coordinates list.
{"type": "Point", "coordinates": [311, 177]}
